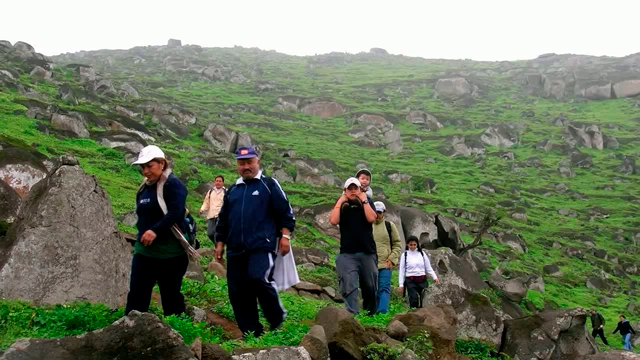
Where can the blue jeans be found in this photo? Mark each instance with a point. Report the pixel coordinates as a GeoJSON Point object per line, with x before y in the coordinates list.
{"type": "Point", "coordinates": [384, 288]}
{"type": "Point", "coordinates": [626, 339]}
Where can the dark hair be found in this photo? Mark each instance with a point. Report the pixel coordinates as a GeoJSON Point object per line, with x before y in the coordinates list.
{"type": "Point", "coordinates": [622, 316]}
{"type": "Point", "coordinates": [219, 176]}
{"type": "Point", "coordinates": [413, 238]}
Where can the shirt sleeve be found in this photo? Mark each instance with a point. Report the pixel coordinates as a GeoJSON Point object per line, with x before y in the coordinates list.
{"type": "Point", "coordinates": [396, 248]}
{"type": "Point", "coordinates": [175, 196]}
{"type": "Point", "coordinates": [401, 270]}
{"type": "Point", "coordinates": [205, 202]}
{"type": "Point", "coordinates": [428, 268]}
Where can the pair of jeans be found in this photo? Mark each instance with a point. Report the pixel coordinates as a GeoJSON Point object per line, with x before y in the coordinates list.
{"type": "Point", "coordinates": [626, 339]}
{"type": "Point", "coordinates": [384, 290]}
{"type": "Point", "coordinates": [168, 273]}
{"type": "Point", "coordinates": [358, 269]}
{"type": "Point", "coordinates": [250, 281]}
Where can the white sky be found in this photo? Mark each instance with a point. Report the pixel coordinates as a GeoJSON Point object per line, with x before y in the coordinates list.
{"type": "Point", "coordinates": [451, 29]}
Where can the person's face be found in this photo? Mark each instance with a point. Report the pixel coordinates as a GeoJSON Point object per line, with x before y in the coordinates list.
{"type": "Point", "coordinates": [152, 170]}
{"type": "Point", "coordinates": [352, 192]}
{"type": "Point", "coordinates": [380, 215]}
{"type": "Point", "coordinates": [218, 183]}
{"type": "Point", "coordinates": [248, 168]}
{"type": "Point", "coordinates": [364, 180]}
{"type": "Point", "coordinates": [621, 318]}
{"type": "Point", "coordinates": [413, 245]}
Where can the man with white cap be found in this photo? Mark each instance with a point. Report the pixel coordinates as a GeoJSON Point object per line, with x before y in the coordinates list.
{"type": "Point", "coordinates": [357, 261]}
{"type": "Point", "coordinates": [389, 247]}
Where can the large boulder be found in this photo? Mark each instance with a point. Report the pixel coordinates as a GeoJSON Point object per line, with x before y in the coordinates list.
{"type": "Point", "coordinates": [459, 145]}
{"type": "Point", "coordinates": [136, 336]}
{"type": "Point", "coordinates": [504, 135]}
{"type": "Point", "coordinates": [127, 90]}
{"type": "Point", "coordinates": [453, 87]}
{"type": "Point", "coordinates": [440, 322]}
{"type": "Point", "coordinates": [593, 89]}
{"type": "Point", "coordinates": [428, 121]}
{"type": "Point", "coordinates": [21, 170]}
{"type": "Point", "coordinates": [130, 143]}
{"type": "Point", "coordinates": [587, 136]}
{"type": "Point", "coordinates": [419, 224]}
{"type": "Point", "coordinates": [39, 73]}
{"type": "Point", "coordinates": [221, 137]}
{"type": "Point", "coordinates": [71, 124]}
{"type": "Point", "coordinates": [345, 335]}
{"type": "Point", "coordinates": [614, 355]}
{"type": "Point", "coordinates": [315, 342]}
{"type": "Point", "coordinates": [324, 109]}
{"type": "Point", "coordinates": [557, 334]}
{"type": "Point", "coordinates": [454, 270]}
{"type": "Point", "coordinates": [320, 214]}
{"type": "Point", "coordinates": [64, 246]}
{"type": "Point", "coordinates": [627, 88]}
{"type": "Point", "coordinates": [477, 319]}
{"type": "Point", "coordinates": [310, 255]}
{"type": "Point", "coordinates": [374, 120]}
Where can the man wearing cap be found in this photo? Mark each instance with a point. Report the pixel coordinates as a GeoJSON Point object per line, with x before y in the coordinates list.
{"type": "Point", "coordinates": [255, 220]}
{"type": "Point", "coordinates": [357, 261]}
{"type": "Point", "coordinates": [389, 247]}
{"type": "Point", "coordinates": [364, 176]}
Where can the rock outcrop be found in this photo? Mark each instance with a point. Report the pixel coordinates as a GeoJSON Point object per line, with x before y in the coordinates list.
{"type": "Point", "coordinates": [65, 246]}
{"type": "Point", "coordinates": [136, 336]}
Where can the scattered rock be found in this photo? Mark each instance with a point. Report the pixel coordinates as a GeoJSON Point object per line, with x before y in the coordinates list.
{"type": "Point", "coordinates": [324, 109]}
{"type": "Point", "coordinates": [276, 353]}
{"type": "Point", "coordinates": [10, 203]}
{"type": "Point", "coordinates": [73, 125]}
{"type": "Point", "coordinates": [597, 283]}
{"type": "Point", "coordinates": [504, 135]}
{"type": "Point", "coordinates": [615, 355]}
{"type": "Point", "coordinates": [397, 330]}
{"type": "Point", "coordinates": [345, 335]}
{"type": "Point", "coordinates": [428, 121]}
{"type": "Point", "coordinates": [315, 342]}
{"type": "Point", "coordinates": [40, 73]}
{"type": "Point", "coordinates": [66, 94]}
{"type": "Point", "coordinates": [552, 270]}
{"type": "Point", "coordinates": [127, 90]}
{"type": "Point", "coordinates": [587, 136]}
{"type": "Point", "coordinates": [218, 269]}
{"type": "Point", "coordinates": [440, 322]}
{"type": "Point", "coordinates": [627, 88]}
{"type": "Point", "coordinates": [453, 87]}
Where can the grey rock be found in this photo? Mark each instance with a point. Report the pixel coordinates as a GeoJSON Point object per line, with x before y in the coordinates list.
{"type": "Point", "coordinates": [173, 43]}
{"type": "Point", "coordinates": [72, 124]}
{"type": "Point", "coordinates": [397, 330]}
{"type": "Point", "coordinates": [87, 74]}
{"type": "Point", "coordinates": [627, 88]}
{"type": "Point", "coordinates": [345, 335]}
{"type": "Point", "coordinates": [503, 135]}
{"type": "Point", "coordinates": [552, 270]}
{"type": "Point", "coordinates": [136, 336]}
{"type": "Point", "coordinates": [21, 170]}
{"type": "Point", "coordinates": [127, 90]}
{"type": "Point", "coordinates": [278, 353]}
{"type": "Point", "coordinates": [587, 136]}
{"type": "Point", "coordinates": [597, 283]}
{"type": "Point", "coordinates": [428, 121]}
{"type": "Point", "coordinates": [617, 354]}
{"type": "Point", "coordinates": [323, 109]}
{"type": "Point", "coordinates": [459, 145]}
{"type": "Point", "coordinates": [10, 203]}
{"type": "Point", "coordinates": [221, 137]}
{"type": "Point", "coordinates": [315, 342]}
{"type": "Point", "coordinates": [66, 94]}
{"type": "Point", "coordinates": [67, 224]}
{"type": "Point", "coordinates": [39, 73]}
{"type": "Point", "coordinates": [408, 354]}
{"type": "Point", "coordinates": [453, 87]}
{"type": "Point", "coordinates": [514, 290]}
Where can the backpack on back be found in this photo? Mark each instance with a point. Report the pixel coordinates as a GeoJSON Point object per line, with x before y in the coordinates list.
{"type": "Point", "coordinates": [388, 226]}
{"type": "Point", "coordinates": [189, 229]}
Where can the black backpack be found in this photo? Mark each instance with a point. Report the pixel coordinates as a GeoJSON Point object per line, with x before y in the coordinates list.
{"type": "Point", "coordinates": [189, 229]}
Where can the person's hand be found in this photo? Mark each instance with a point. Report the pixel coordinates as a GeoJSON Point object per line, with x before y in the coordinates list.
{"type": "Point", "coordinates": [201, 212]}
{"type": "Point", "coordinates": [343, 199]}
{"type": "Point", "coordinates": [400, 290]}
{"type": "Point", "coordinates": [284, 246]}
{"type": "Point", "coordinates": [388, 263]}
{"type": "Point", "coordinates": [362, 196]}
{"type": "Point", "coordinates": [219, 251]}
{"type": "Point", "coordinates": [601, 326]}
{"type": "Point", "coordinates": [148, 237]}
{"type": "Point", "coordinates": [437, 281]}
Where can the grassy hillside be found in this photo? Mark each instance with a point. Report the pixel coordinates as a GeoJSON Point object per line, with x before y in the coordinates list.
{"type": "Point", "coordinates": [605, 201]}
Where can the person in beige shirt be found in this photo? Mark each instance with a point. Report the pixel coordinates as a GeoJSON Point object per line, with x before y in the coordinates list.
{"type": "Point", "coordinates": [212, 204]}
{"type": "Point", "coordinates": [388, 248]}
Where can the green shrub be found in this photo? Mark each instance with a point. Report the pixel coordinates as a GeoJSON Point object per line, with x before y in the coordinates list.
{"type": "Point", "coordinates": [381, 352]}
{"type": "Point", "coordinates": [421, 344]}
{"type": "Point", "coordinates": [476, 349]}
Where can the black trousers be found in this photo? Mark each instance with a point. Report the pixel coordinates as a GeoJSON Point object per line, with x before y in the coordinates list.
{"type": "Point", "coordinates": [601, 333]}
{"type": "Point", "coordinates": [211, 229]}
{"type": "Point", "coordinates": [168, 273]}
{"type": "Point", "coordinates": [250, 281]}
{"type": "Point", "coordinates": [414, 290]}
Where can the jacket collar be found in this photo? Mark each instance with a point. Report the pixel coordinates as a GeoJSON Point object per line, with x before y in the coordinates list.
{"type": "Point", "coordinates": [241, 180]}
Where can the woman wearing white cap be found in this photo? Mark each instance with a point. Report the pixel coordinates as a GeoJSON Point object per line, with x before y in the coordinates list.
{"type": "Point", "coordinates": [357, 261]}
{"type": "Point", "coordinates": [158, 254]}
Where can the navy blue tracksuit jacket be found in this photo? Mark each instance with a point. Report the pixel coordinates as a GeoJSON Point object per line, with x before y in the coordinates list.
{"type": "Point", "coordinates": [253, 214]}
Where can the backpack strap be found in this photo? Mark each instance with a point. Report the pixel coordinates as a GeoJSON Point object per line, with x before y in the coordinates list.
{"type": "Point", "coordinates": [388, 226]}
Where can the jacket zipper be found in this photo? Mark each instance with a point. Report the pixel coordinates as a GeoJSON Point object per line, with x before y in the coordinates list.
{"type": "Point", "coordinates": [242, 217]}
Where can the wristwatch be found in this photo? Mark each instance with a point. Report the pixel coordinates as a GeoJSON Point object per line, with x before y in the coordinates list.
{"type": "Point", "coordinates": [365, 202]}
{"type": "Point", "coordinates": [287, 236]}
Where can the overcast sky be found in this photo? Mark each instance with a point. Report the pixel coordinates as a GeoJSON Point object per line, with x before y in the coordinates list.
{"type": "Point", "coordinates": [475, 29]}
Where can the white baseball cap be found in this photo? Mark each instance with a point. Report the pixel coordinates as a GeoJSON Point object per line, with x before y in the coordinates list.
{"type": "Point", "coordinates": [379, 205]}
{"type": "Point", "coordinates": [351, 181]}
{"type": "Point", "coordinates": [149, 153]}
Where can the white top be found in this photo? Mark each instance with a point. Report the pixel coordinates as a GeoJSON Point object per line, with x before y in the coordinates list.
{"type": "Point", "coordinates": [416, 266]}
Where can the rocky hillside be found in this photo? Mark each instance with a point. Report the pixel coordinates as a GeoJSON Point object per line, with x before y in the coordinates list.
{"type": "Point", "coordinates": [549, 143]}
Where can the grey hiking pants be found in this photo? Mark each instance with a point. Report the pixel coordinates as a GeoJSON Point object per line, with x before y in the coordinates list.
{"type": "Point", "coordinates": [354, 269]}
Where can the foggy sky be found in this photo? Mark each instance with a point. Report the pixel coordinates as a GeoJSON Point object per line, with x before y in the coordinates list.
{"type": "Point", "coordinates": [474, 29]}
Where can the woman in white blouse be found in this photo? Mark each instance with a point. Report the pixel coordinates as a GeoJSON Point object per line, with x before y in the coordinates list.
{"type": "Point", "coordinates": [414, 266]}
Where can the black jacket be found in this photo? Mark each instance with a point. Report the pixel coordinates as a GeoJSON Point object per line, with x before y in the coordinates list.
{"type": "Point", "coordinates": [597, 320]}
{"type": "Point", "coordinates": [624, 327]}
{"type": "Point", "coordinates": [252, 215]}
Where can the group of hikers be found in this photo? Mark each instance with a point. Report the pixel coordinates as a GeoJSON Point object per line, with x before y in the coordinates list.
{"type": "Point", "coordinates": [624, 326]}
{"type": "Point", "coordinates": [254, 220]}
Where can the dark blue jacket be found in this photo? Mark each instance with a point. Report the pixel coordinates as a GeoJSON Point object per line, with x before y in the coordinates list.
{"type": "Point", "coordinates": [252, 215]}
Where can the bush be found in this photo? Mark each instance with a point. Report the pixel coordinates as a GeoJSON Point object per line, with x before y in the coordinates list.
{"type": "Point", "coordinates": [476, 349]}
{"type": "Point", "coordinates": [420, 344]}
{"type": "Point", "coordinates": [381, 352]}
